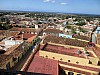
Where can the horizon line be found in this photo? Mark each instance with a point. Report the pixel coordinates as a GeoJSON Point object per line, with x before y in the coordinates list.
{"type": "Point", "coordinates": [46, 12]}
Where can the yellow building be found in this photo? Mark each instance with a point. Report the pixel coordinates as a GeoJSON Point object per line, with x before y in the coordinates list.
{"type": "Point", "coordinates": [73, 60]}
{"type": "Point", "coordinates": [6, 61]}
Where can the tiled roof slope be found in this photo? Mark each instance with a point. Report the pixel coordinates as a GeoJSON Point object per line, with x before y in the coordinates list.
{"type": "Point", "coordinates": [43, 65]}
{"type": "Point", "coordinates": [65, 41]}
{"type": "Point", "coordinates": [82, 37]}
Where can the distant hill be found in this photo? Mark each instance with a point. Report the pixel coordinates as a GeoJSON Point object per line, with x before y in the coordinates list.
{"type": "Point", "coordinates": [78, 14]}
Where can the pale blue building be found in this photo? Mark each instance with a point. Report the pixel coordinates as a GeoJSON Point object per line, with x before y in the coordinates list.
{"type": "Point", "coordinates": [66, 36]}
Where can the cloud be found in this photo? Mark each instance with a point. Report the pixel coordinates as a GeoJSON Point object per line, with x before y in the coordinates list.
{"type": "Point", "coordinates": [52, 1]}
{"type": "Point", "coordinates": [63, 3]}
{"type": "Point", "coordinates": [46, 0]}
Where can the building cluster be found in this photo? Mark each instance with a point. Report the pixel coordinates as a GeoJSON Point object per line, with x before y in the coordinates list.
{"type": "Point", "coordinates": [14, 44]}
{"type": "Point", "coordinates": [56, 46]}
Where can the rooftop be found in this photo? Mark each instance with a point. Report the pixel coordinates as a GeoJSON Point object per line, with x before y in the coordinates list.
{"type": "Point", "coordinates": [80, 66]}
{"type": "Point", "coordinates": [97, 51]}
{"type": "Point", "coordinates": [23, 29]}
{"type": "Point", "coordinates": [78, 71]}
{"type": "Point", "coordinates": [65, 41]}
{"type": "Point", "coordinates": [82, 37]}
{"type": "Point", "coordinates": [65, 50]}
{"type": "Point", "coordinates": [98, 39]}
{"type": "Point", "coordinates": [26, 36]}
{"type": "Point", "coordinates": [11, 49]}
{"type": "Point", "coordinates": [53, 30]}
{"type": "Point", "coordinates": [43, 65]}
{"type": "Point", "coordinates": [4, 58]}
{"type": "Point", "coordinates": [19, 50]}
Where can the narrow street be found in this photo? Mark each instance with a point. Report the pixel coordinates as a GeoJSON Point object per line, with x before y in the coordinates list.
{"type": "Point", "coordinates": [20, 64]}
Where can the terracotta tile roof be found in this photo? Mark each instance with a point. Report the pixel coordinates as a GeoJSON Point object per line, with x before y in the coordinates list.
{"type": "Point", "coordinates": [43, 65]}
{"type": "Point", "coordinates": [95, 49]}
{"type": "Point", "coordinates": [23, 29]}
{"type": "Point", "coordinates": [65, 41]}
{"type": "Point", "coordinates": [11, 49]}
{"type": "Point", "coordinates": [7, 33]}
{"type": "Point", "coordinates": [78, 71]}
{"type": "Point", "coordinates": [63, 50]}
{"type": "Point", "coordinates": [31, 38]}
{"type": "Point", "coordinates": [81, 66]}
{"type": "Point", "coordinates": [98, 39]}
{"type": "Point", "coordinates": [81, 37]}
{"type": "Point", "coordinates": [27, 36]}
{"type": "Point", "coordinates": [19, 50]}
{"type": "Point", "coordinates": [2, 37]}
{"type": "Point", "coordinates": [53, 31]}
{"type": "Point", "coordinates": [4, 58]}
{"type": "Point", "coordinates": [2, 31]}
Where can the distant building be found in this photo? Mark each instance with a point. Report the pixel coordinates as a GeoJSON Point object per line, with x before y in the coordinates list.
{"type": "Point", "coordinates": [65, 36]}
{"type": "Point", "coordinates": [98, 30]}
{"type": "Point", "coordinates": [53, 32]}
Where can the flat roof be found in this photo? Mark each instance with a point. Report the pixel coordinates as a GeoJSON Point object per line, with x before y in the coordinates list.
{"type": "Point", "coordinates": [63, 50]}
{"type": "Point", "coordinates": [43, 65]}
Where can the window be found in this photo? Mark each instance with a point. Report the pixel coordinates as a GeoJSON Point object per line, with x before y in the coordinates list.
{"type": "Point", "coordinates": [90, 62]}
{"type": "Point", "coordinates": [68, 60]}
{"type": "Point", "coordinates": [53, 57]}
{"type": "Point", "coordinates": [77, 62]}
{"type": "Point", "coordinates": [42, 56]}
{"type": "Point", "coordinates": [46, 56]}
{"type": "Point", "coordinates": [61, 59]}
{"type": "Point", "coordinates": [70, 73]}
